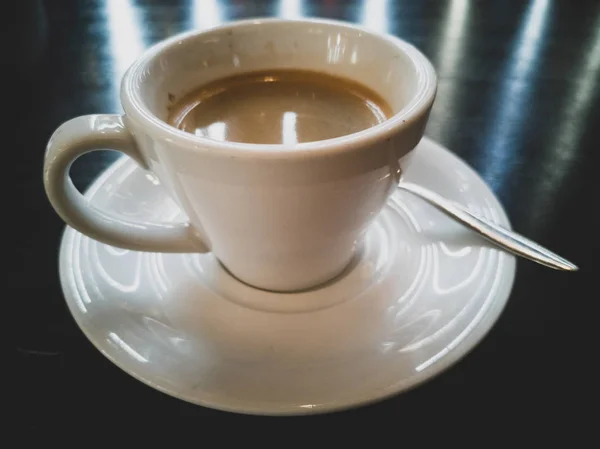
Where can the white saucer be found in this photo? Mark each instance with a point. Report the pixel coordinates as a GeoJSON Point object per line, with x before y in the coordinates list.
{"type": "Point", "coordinates": [421, 293]}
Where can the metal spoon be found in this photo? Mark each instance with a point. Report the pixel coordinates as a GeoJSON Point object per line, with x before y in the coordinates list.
{"type": "Point", "coordinates": [502, 237]}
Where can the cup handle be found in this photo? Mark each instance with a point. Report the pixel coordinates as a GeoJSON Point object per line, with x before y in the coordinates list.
{"type": "Point", "coordinates": [93, 132]}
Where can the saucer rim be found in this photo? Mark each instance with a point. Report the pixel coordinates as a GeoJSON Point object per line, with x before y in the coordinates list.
{"type": "Point", "coordinates": [464, 348]}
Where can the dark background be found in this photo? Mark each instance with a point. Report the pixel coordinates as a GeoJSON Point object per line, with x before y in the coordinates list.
{"type": "Point", "coordinates": [518, 99]}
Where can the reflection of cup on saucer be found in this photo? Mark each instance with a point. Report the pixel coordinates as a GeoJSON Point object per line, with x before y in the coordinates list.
{"type": "Point", "coordinates": [278, 216]}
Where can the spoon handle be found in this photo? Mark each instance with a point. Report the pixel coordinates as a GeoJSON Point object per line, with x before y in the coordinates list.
{"type": "Point", "coordinates": [502, 237]}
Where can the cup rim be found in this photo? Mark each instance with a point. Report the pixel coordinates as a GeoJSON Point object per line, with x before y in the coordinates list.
{"type": "Point", "coordinates": [419, 104]}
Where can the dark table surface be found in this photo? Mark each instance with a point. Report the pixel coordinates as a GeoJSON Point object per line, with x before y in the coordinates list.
{"type": "Point", "coordinates": [518, 99]}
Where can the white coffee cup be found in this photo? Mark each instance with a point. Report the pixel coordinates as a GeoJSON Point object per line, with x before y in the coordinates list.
{"type": "Point", "coordinates": [279, 218]}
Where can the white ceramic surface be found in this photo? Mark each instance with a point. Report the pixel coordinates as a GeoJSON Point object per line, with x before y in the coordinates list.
{"type": "Point", "coordinates": [420, 294]}
{"type": "Point", "coordinates": [297, 208]}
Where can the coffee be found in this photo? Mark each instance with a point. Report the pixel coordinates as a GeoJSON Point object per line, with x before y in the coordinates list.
{"type": "Point", "coordinates": [279, 106]}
